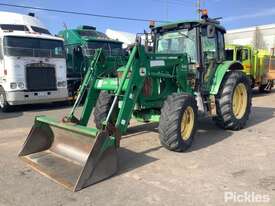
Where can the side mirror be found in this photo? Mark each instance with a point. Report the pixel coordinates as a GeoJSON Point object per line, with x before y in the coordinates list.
{"type": "Point", "coordinates": [211, 31]}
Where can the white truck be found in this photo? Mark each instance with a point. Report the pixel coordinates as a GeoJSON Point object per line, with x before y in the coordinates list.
{"type": "Point", "coordinates": [32, 62]}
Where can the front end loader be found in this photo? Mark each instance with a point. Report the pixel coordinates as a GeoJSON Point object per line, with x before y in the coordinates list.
{"type": "Point", "coordinates": [183, 75]}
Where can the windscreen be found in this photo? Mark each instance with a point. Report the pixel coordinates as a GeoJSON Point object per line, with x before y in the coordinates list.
{"type": "Point", "coordinates": [97, 45]}
{"type": "Point", "coordinates": [92, 33]}
{"type": "Point", "coordinates": [24, 46]}
{"type": "Point", "coordinates": [116, 48]}
{"type": "Point", "coordinates": [178, 42]}
{"type": "Point", "coordinates": [110, 48]}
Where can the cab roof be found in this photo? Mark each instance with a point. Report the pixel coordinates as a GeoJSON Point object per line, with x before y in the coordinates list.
{"type": "Point", "coordinates": [237, 46]}
{"type": "Point", "coordinates": [86, 35]}
{"type": "Point", "coordinates": [179, 23]}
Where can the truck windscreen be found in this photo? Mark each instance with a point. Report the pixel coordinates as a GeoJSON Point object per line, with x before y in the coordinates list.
{"type": "Point", "coordinates": [91, 33]}
{"type": "Point", "coordinates": [116, 49]}
{"type": "Point", "coordinates": [33, 47]}
{"type": "Point", "coordinates": [97, 45]}
{"type": "Point", "coordinates": [110, 48]}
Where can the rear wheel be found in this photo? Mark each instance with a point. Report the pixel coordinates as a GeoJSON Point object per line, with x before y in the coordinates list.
{"type": "Point", "coordinates": [178, 122]}
{"type": "Point", "coordinates": [102, 109]}
{"type": "Point", "coordinates": [4, 105]}
{"type": "Point", "coordinates": [233, 101]}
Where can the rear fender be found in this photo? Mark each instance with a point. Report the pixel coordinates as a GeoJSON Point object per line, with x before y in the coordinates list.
{"type": "Point", "coordinates": [222, 69]}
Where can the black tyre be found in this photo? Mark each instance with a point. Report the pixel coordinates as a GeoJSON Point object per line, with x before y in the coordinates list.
{"type": "Point", "coordinates": [102, 109]}
{"type": "Point", "coordinates": [234, 101]}
{"type": "Point", "coordinates": [4, 105]}
{"type": "Point", "coordinates": [178, 122]}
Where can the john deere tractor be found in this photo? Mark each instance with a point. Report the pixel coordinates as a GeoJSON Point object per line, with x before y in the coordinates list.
{"type": "Point", "coordinates": [184, 75]}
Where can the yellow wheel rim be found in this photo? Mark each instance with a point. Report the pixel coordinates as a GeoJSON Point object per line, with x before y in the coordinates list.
{"type": "Point", "coordinates": [187, 123]}
{"type": "Point", "coordinates": [239, 100]}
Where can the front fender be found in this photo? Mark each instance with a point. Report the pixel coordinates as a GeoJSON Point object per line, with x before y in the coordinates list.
{"type": "Point", "coordinates": [221, 70]}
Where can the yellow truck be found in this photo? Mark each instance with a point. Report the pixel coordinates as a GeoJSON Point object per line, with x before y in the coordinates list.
{"type": "Point", "coordinates": [259, 64]}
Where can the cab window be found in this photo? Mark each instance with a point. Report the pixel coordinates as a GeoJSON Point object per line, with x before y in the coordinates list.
{"type": "Point", "coordinates": [245, 54]}
{"type": "Point", "coordinates": [229, 54]}
{"type": "Point", "coordinates": [221, 46]}
{"type": "Point", "coordinates": [209, 47]}
{"type": "Point", "coordinates": [178, 42]}
{"type": "Point", "coordinates": [239, 55]}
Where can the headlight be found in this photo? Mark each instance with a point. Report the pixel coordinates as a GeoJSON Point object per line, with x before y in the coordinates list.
{"type": "Point", "coordinates": [13, 85]}
{"type": "Point", "coordinates": [62, 84]}
{"type": "Point", "coordinates": [21, 85]}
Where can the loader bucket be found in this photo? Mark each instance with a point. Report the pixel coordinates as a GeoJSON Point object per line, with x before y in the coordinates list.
{"type": "Point", "coordinates": [71, 155]}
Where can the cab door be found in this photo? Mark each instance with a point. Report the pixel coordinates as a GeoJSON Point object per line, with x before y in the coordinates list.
{"type": "Point", "coordinates": [213, 53]}
{"type": "Point", "coordinates": [245, 59]}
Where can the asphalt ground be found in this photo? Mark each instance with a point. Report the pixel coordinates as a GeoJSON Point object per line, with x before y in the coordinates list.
{"type": "Point", "coordinates": [220, 166]}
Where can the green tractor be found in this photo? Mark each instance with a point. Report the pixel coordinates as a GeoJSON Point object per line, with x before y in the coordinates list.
{"type": "Point", "coordinates": [184, 75]}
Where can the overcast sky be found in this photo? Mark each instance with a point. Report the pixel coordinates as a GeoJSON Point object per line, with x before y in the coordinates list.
{"type": "Point", "coordinates": [235, 13]}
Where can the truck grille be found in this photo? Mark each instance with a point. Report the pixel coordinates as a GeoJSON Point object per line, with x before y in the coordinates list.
{"type": "Point", "coordinates": [40, 78]}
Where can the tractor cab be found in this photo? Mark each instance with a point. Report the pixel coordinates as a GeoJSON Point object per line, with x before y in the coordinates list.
{"type": "Point", "coordinates": [202, 41]}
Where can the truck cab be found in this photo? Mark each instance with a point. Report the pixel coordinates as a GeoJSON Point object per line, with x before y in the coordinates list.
{"type": "Point", "coordinates": [258, 64]}
{"type": "Point", "coordinates": [243, 54]}
{"type": "Point", "coordinates": [32, 62]}
{"type": "Point", "coordinates": [80, 46]}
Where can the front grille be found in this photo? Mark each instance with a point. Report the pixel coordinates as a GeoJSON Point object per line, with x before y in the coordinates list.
{"type": "Point", "coordinates": [40, 78]}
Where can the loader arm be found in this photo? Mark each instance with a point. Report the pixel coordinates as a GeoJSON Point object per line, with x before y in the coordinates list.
{"type": "Point", "coordinates": [87, 85]}
{"type": "Point", "coordinates": [138, 65]}
{"type": "Point", "coordinates": [129, 84]}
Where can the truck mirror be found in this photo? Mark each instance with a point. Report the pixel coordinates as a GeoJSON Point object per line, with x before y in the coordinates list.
{"type": "Point", "coordinates": [211, 31]}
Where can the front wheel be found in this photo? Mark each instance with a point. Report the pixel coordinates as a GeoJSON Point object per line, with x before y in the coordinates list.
{"type": "Point", "coordinates": [178, 122]}
{"type": "Point", "coordinates": [234, 101]}
{"type": "Point", "coordinates": [102, 109]}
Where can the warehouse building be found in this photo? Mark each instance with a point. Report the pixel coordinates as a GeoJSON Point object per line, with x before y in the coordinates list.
{"type": "Point", "coordinates": [261, 37]}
